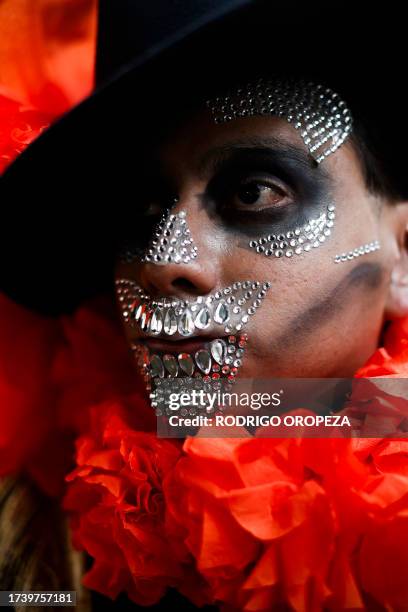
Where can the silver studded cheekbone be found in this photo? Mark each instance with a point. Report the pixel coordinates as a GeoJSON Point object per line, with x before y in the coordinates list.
{"type": "Point", "coordinates": [364, 249]}
{"type": "Point", "coordinates": [171, 241]}
{"type": "Point", "coordinates": [317, 112]}
{"type": "Point", "coordinates": [229, 308]}
{"type": "Point", "coordinates": [299, 240]}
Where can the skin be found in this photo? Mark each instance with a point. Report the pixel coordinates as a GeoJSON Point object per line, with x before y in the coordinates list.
{"type": "Point", "coordinates": [319, 319]}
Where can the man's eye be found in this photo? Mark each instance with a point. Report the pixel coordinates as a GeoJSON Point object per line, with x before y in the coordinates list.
{"type": "Point", "coordinates": [257, 195]}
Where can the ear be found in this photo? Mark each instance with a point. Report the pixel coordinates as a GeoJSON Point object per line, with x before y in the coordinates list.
{"type": "Point", "coordinates": [397, 302]}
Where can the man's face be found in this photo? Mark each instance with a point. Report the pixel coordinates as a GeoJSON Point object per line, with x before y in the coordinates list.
{"type": "Point", "coordinates": [254, 177]}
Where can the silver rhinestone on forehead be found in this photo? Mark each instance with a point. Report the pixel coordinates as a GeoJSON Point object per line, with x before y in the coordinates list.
{"type": "Point", "coordinates": [317, 112]}
{"type": "Point", "coordinates": [298, 241]}
{"type": "Point", "coordinates": [171, 242]}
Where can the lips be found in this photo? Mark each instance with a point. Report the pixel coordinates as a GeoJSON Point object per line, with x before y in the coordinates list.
{"type": "Point", "coordinates": [216, 361]}
{"type": "Point", "coordinates": [209, 366]}
{"type": "Point", "coordinates": [177, 346]}
{"type": "Point", "coordinates": [224, 312]}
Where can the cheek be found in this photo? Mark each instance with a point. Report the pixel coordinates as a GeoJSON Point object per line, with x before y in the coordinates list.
{"type": "Point", "coordinates": [319, 318]}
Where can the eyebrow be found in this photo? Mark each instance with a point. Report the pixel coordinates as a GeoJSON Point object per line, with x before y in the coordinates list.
{"type": "Point", "coordinates": [214, 158]}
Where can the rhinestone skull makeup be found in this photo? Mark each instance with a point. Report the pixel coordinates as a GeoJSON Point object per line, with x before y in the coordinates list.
{"type": "Point", "coordinates": [211, 368]}
{"type": "Point", "coordinates": [324, 122]}
{"type": "Point", "coordinates": [218, 359]}
{"type": "Point", "coordinates": [296, 215]}
{"type": "Point", "coordinates": [171, 242]}
{"type": "Point", "coordinates": [229, 309]}
{"type": "Point", "coordinates": [364, 249]}
{"type": "Point", "coordinates": [318, 113]}
{"type": "Point", "coordinates": [297, 241]}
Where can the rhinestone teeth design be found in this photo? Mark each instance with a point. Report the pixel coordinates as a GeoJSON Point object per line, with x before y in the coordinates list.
{"type": "Point", "coordinates": [318, 113]}
{"type": "Point", "coordinates": [364, 249]}
{"type": "Point", "coordinates": [297, 241]}
{"type": "Point", "coordinates": [171, 242]}
{"type": "Point", "coordinates": [213, 367]}
{"type": "Point", "coordinates": [230, 308]}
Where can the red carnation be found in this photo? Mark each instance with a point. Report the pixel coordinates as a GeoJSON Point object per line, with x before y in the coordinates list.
{"type": "Point", "coordinates": [262, 531]}
{"type": "Point", "coordinates": [392, 358]}
{"type": "Point", "coordinates": [276, 523]}
{"type": "Point", "coordinates": [117, 506]}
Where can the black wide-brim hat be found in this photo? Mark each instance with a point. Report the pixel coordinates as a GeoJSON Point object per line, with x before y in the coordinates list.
{"type": "Point", "coordinates": [69, 199]}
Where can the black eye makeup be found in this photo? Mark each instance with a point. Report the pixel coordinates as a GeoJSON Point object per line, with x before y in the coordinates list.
{"type": "Point", "coordinates": [252, 189]}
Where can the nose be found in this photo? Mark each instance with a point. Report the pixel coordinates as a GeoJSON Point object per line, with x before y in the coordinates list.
{"type": "Point", "coordinates": [185, 266]}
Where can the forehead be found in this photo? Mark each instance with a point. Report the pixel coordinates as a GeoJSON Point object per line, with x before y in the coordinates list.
{"type": "Point", "coordinates": [200, 130]}
{"type": "Point", "coordinates": [318, 114]}
{"type": "Point", "coordinates": [197, 142]}
{"type": "Point", "coordinates": [198, 135]}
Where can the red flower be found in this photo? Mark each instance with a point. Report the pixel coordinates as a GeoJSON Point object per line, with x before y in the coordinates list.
{"type": "Point", "coordinates": [392, 358]}
{"type": "Point", "coordinates": [117, 506]}
{"type": "Point", "coordinates": [275, 523]}
{"type": "Point", "coordinates": [377, 407]}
